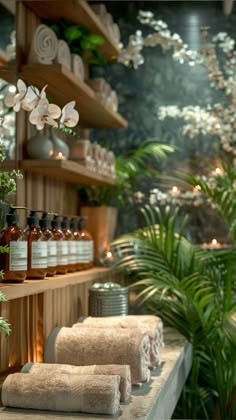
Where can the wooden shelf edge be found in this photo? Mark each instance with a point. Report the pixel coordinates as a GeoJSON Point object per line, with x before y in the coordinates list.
{"type": "Point", "coordinates": [32, 287]}
{"type": "Point", "coordinates": [65, 170]}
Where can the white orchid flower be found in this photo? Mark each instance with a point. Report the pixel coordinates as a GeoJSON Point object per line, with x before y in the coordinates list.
{"type": "Point", "coordinates": [13, 100]}
{"type": "Point", "coordinates": [69, 116]}
{"type": "Point", "coordinates": [44, 113]}
{"type": "Point", "coordinates": [25, 98]}
{"type": "Point", "coordinates": [32, 98]}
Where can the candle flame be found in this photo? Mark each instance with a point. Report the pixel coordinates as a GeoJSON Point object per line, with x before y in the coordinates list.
{"type": "Point", "coordinates": [214, 242]}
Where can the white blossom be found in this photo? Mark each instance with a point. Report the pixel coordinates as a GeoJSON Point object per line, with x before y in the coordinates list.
{"type": "Point", "coordinates": [69, 115]}
{"type": "Point", "coordinates": [44, 113]}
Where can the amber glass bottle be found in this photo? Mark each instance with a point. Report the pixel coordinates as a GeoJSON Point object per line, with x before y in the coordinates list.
{"type": "Point", "coordinates": [14, 262]}
{"type": "Point", "coordinates": [69, 237]}
{"type": "Point", "coordinates": [77, 237]}
{"type": "Point", "coordinates": [44, 224]}
{"type": "Point", "coordinates": [62, 246]}
{"type": "Point", "coordinates": [37, 248]}
{"type": "Point", "coordinates": [85, 246]}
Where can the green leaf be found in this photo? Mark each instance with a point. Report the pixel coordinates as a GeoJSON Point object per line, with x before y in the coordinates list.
{"type": "Point", "coordinates": [72, 33]}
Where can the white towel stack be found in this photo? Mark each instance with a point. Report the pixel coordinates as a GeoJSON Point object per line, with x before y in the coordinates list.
{"type": "Point", "coordinates": [104, 93]}
{"type": "Point", "coordinates": [107, 20]}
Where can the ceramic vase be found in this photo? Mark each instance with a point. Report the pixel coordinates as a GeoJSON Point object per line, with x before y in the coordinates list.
{"type": "Point", "coordinates": [39, 146]}
{"type": "Point", "coordinates": [60, 148]}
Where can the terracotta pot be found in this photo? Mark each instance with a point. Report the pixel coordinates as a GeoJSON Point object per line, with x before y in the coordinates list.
{"type": "Point", "coordinates": [101, 223]}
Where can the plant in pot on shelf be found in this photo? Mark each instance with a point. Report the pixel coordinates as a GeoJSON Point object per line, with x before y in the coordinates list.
{"type": "Point", "coordinates": [80, 40]}
{"type": "Point", "coordinates": [102, 203]}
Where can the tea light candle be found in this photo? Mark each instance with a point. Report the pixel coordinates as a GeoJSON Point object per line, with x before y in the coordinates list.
{"type": "Point", "coordinates": [214, 244]}
{"type": "Point", "coordinates": [59, 156]}
{"type": "Point", "coordinates": [218, 171]}
{"type": "Point", "coordinates": [174, 190]}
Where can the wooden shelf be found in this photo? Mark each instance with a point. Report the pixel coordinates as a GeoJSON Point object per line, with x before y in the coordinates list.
{"type": "Point", "coordinates": [32, 287]}
{"type": "Point", "coordinates": [65, 170]}
{"type": "Point", "coordinates": [7, 73]}
{"type": "Point", "coordinates": [64, 86]}
{"type": "Point", "coordinates": [78, 12]}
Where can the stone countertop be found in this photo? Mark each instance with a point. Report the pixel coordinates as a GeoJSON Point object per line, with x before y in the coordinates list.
{"type": "Point", "coordinates": [153, 401]}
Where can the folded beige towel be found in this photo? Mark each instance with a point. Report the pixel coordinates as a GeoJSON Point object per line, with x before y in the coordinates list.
{"type": "Point", "coordinates": [148, 324]}
{"type": "Point", "coordinates": [90, 346]}
{"type": "Point", "coordinates": [121, 370]}
{"type": "Point", "coordinates": [44, 46]}
{"type": "Point", "coordinates": [61, 392]}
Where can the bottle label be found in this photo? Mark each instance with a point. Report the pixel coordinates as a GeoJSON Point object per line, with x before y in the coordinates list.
{"type": "Point", "coordinates": [18, 256]}
{"type": "Point", "coordinates": [62, 252]}
{"type": "Point", "coordinates": [39, 256]}
{"type": "Point", "coordinates": [52, 253]}
{"type": "Point", "coordinates": [85, 251]}
{"type": "Point", "coordinates": [72, 257]}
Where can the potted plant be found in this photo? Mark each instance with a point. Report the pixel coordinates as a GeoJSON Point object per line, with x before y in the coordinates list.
{"type": "Point", "coordinates": [101, 203]}
{"type": "Point", "coordinates": [193, 290]}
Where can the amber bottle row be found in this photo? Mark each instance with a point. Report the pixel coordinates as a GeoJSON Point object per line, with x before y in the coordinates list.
{"type": "Point", "coordinates": [46, 247]}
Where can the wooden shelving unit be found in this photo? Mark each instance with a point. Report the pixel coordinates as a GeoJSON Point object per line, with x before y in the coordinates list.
{"type": "Point", "coordinates": [32, 287]}
{"type": "Point", "coordinates": [77, 12]}
{"type": "Point", "coordinates": [63, 87]}
{"type": "Point", "coordinates": [65, 170]}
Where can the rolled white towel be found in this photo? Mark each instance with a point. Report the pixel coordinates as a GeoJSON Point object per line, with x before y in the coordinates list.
{"type": "Point", "coordinates": [116, 32]}
{"type": "Point", "coordinates": [77, 66]}
{"type": "Point", "coordinates": [44, 46]}
{"type": "Point", "coordinates": [112, 101]}
{"type": "Point", "coordinates": [63, 54]}
{"type": "Point", "coordinates": [100, 10]}
{"type": "Point", "coordinates": [61, 392]}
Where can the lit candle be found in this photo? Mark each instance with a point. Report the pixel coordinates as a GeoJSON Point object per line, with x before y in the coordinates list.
{"type": "Point", "coordinates": [218, 171]}
{"type": "Point", "coordinates": [59, 156]}
{"type": "Point", "coordinates": [174, 190]}
{"type": "Point", "coordinates": [214, 244]}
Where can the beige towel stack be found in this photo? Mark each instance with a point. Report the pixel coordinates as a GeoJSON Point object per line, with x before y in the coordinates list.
{"type": "Point", "coordinates": [104, 93]}
{"type": "Point", "coordinates": [111, 163]}
{"type": "Point", "coordinates": [81, 151]}
{"type": "Point", "coordinates": [88, 346]}
{"type": "Point", "coordinates": [121, 370]}
{"type": "Point", "coordinates": [44, 46]}
{"type": "Point", "coordinates": [148, 324]}
{"type": "Point", "coordinates": [107, 20]}
{"type": "Point", "coordinates": [61, 392]}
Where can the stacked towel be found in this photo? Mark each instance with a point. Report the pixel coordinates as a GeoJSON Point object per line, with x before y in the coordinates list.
{"type": "Point", "coordinates": [148, 324]}
{"type": "Point", "coordinates": [82, 152]}
{"type": "Point", "coordinates": [88, 346]}
{"type": "Point", "coordinates": [121, 370]}
{"type": "Point", "coordinates": [61, 392]}
{"type": "Point", "coordinates": [63, 54]}
{"type": "Point", "coordinates": [111, 163]}
{"type": "Point", "coordinates": [107, 21]}
{"type": "Point", "coordinates": [44, 46]}
{"type": "Point", "coordinates": [77, 66]}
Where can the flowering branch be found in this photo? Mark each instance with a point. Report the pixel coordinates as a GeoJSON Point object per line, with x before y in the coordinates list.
{"type": "Point", "coordinates": [217, 119]}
